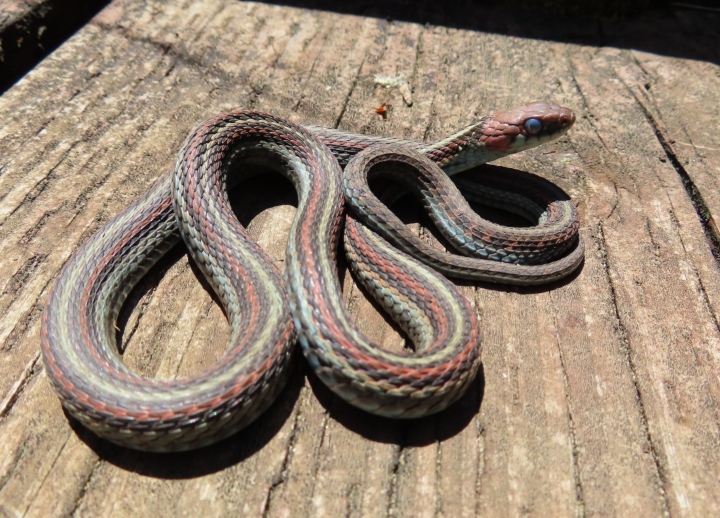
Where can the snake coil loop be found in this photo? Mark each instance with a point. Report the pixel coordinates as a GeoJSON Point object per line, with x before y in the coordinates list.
{"type": "Point", "coordinates": [268, 310]}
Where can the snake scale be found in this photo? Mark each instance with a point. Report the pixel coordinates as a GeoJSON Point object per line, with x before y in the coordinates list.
{"type": "Point", "coordinates": [269, 310]}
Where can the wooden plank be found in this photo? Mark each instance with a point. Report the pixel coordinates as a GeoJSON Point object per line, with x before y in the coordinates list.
{"type": "Point", "coordinates": [598, 396]}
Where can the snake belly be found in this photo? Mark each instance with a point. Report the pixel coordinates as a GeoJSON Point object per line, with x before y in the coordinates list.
{"type": "Point", "coordinates": [78, 331]}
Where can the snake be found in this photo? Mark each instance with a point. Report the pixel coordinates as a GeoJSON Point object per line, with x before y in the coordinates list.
{"type": "Point", "coordinates": [344, 182]}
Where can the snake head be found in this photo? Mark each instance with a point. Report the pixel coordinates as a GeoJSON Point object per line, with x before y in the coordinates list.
{"type": "Point", "coordinates": [527, 126]}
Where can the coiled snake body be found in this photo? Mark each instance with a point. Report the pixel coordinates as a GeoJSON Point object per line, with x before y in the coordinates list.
{"type": "Point", "coordinates": [268, 310]}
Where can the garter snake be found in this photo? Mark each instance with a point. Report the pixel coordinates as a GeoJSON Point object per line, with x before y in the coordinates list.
{"type": "Point", "coordinates": [268, 309]}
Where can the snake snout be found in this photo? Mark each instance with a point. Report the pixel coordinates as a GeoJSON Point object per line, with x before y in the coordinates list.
{"type": "Point", "coordinates": [563, 118]}
{"type": "Point", "coordinates": [557, 123]}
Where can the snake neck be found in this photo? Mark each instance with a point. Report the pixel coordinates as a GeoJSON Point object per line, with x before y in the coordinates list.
{"type": "Point", "coordinates": [458, 152]}
{"type": "Point", "coordinates": [463, 150]}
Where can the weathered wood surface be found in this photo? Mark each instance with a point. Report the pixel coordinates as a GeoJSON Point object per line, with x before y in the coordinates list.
{"type": "Point", "coordinates": [599, 396]}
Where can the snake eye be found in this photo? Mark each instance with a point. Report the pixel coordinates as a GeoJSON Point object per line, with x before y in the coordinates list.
{"type": "Point", "coordinates": [533, 126]}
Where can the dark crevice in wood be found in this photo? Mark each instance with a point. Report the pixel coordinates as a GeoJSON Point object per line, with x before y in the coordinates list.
{"type": "Point", "coordinates": [480, 466]}
{"type": "Point", "coordinates": [39, 186]}
{"type": "Point", "coordinates": [89, 191]}
{"type": "Point", "coordinates": [654, 241]}
{"type": "Point", "coordinates": [38, 487]}
{"type": "Point", "coordinates": [587, 112]}
{"type": "Point", "coordinates": [29, 236]}
{"type": "Point", "coordinates": [706, 302]}
{"type": "Point", "coordinates": [10, 468]}
{"type": "Point", "coordinates": [481, 458]}
{"type": "Point", "coordinates": [579, 496]}
{"type": "Point", "coordinates": [353, 497]}
{"type": "Point", "coordinates": [710, 228]}
{"type": "Point", "coordinates": [21, 326]}
{"type": "Point", "coordinates": [28, 38]}
{"type": "Point", "coordinates": [26, 448]}
{"type": "Point", "coordinates": [703, 292]}
{"type": "Point", "coordinates": [419, 51]}
{"type": "Point", "coordinates": [84, 489]}
{"type": "Point", "coordinates": [41, 128]}
{"type": "Point", "coordinates": [26, 321]}
{"type": "Point", "coordinates": [398, 458]}
{"type": "Point", "coordinates": [349, 95]}
{"type": "Point", "coordinates": [280, 478]}
{"type": "Point", "coordinates": [624, 345]}
{"type": "Point", "coordinates": [20, 277]}
{"type": "Point", "coordinates": [18, 387]}
{"type": "Point", "coordinates": [613, 210]}
{"type": "Point", "coordinates": [301, 96]}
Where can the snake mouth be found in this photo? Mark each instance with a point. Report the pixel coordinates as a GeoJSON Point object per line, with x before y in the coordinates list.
{"type": "Point", "coordinates": [526, 126]}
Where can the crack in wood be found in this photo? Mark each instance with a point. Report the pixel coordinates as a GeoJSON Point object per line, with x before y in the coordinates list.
{"type": "Point", "coordinates": [33, 231]}
{"type": "Point", "coordinates": [47, 473]}
{"type": "Point", "coordinates": [653, 241]}
{"type": "Point", "coordinates": [352, 499]}
{"type": "Point", "coordinates": [480, 469]}
{"type": "Point", "coordinates": [21, 326]}
{"type": "Point", "coordinates": [625, 348]}
{"type": "Point", "coordinates": [37, 189]}
{"type": "Point", "coordinates": [707, 222]}
{"type": "Point", "coordinates": [702, 291]}
{"type": "Point", "coordinates": [353, 85]}
{"type": "Point", "coordinates": [579, 497]}
{"type": "Point", "coordinates": [18, 387]}
{"type": "Point", "coordinates": [281, 477]}
{"type": "Point", "coordinates": [11, 466]}
{"type": "Point", "coordinates": [84, 489]}
{"type": "Point", "coordinates": [43, 183]}
{"type": "Point", "coordinates": [20, 277]}
{"type": "Point", "coordinates": [316, 60]}
{"type": "Point", "coordinates": [398, 459]}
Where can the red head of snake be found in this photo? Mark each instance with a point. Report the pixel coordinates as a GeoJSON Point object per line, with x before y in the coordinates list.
{"type": "Point", "coordinates": [526, 126]}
